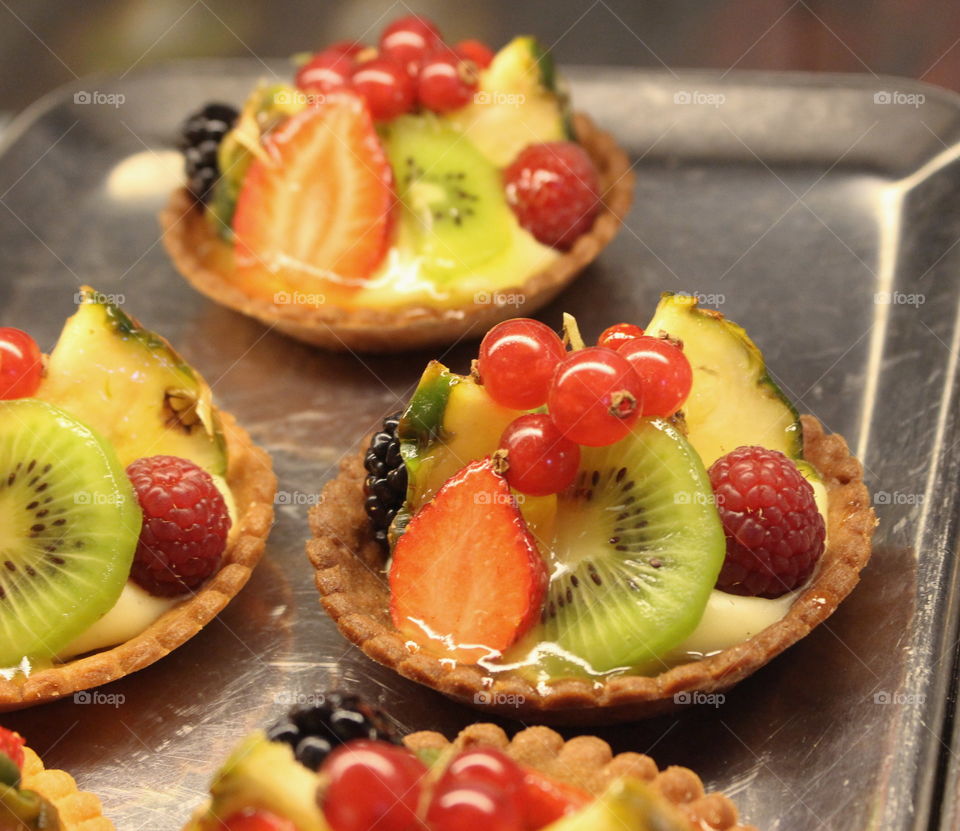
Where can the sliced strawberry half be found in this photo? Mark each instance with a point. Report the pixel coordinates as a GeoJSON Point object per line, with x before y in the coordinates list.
{"type": "Point", "coordinates": [314, 213]}
{"type": "Point", "coordinates": [546, 800]}
{"type": "Point", "coordinates": [466, 577]}
{"type": "Point", "coordinates": [11, 745]}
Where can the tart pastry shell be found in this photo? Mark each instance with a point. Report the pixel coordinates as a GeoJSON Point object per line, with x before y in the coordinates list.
{"type": "Point", "coordinates": [587, 762]}
{"type": "Point", "coordinates": [354, 591]}
{"type": "Point", "coordinates": [253, 484]}
{"type": "Point", "coordinates": [186, 234]}
{"type": "Point", "coordinates": [78, 810]}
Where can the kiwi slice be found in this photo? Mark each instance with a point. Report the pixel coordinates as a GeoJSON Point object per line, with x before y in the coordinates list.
{"type": "Point", "coordinates": [638, 548]}
{"type": "Point", "coordinates": [69, 524]}
{"type": "Point", "coordinates": [455, 214]}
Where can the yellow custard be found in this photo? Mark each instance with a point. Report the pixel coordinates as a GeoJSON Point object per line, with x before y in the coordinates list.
{"type": "Point", "coordinates": [400, 279]}
{"type": "Point", "coordinates": [136, 609]}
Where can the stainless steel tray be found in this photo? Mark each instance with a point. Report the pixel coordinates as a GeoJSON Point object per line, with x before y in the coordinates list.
{"type": "Point", "coordinates": [819, 211]}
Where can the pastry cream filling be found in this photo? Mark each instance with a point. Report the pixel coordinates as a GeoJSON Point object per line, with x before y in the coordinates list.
{"type": "Point", "coordinates": [731, 619]}
{"type": "Point", "coordinates": [136, 609]}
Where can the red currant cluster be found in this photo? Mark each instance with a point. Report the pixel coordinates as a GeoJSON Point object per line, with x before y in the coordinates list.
{"type": "Point", "coordinates": [411, 66]}
{"type": "Point", "coordinates": [379, 785]}
{"type": "Point", "coordinates": [594, 395]}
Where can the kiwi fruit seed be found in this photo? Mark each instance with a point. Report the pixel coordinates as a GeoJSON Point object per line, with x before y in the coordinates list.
{"type": "Point", "coordinates": [69, 525]}
{"type": "Point", "coordinates": [638, 548]}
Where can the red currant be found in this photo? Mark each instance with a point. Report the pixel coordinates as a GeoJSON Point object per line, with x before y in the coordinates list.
{"type": "Point", "coordinates": [664, 371]}
{"type": "Point", "coordinates": [21, 364]}
{"type": "Point", "coordinates": [476, 51]}
{"type": "Point", "coordinates": [326, 71]}
{"type": "Point", "coordinates": [540, 459]}
{"type": "Point", "coordinates": [254, 819]}
{"type": "Point", "coordinates": [408, 40]}
{"type": "Point", "coordinates": [516, 362]}
{"type": "Point", "coordinates": [372, 785]}
{"type": "Point", "coordinates": [487, 766]}
{"type": "Point", "coordinates": [595, 397]}
{"type": "Point", "coordinates": [386, 86]}
{"type": "Point", "coordinates": [615, 336]}
{"type": "Point", "coordinates": [446, 81]}
{"type": "Point", "coordinates": [474, 807]}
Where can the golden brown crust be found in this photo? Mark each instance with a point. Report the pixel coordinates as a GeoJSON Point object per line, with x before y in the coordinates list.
{"type": "Point", "coordinates": [186, 233]}
{"type": "Point", "coordinates": [349, 576]}
{"type": "Point", "coordinates": [587, 762]}
{"type": "Point", "coordinates": [78, 810]}
{"type": "Point", "coordinates": [253, 484]}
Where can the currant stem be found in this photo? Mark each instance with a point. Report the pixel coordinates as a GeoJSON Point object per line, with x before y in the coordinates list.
{"type": "Point", "coordinates": [571, 333]}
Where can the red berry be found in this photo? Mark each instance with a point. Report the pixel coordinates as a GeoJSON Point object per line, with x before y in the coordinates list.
{"type": "Point", "coordinates": [446, 81]}
{"type": "Point", "coordinates": [774, 531]}
{"type": "Point", "coordinates": [554, 190]}
{"type": "Point", "coordinates": [476, 51]}
{"type": "Point", "coordinates": [372, 785]}
{"type": "Point", "coordinates": [595, 397]}
{"type": "Point", "coordinates": [386, 86]}
{"type": "Point", "coordinates": [255, 819]}
{"type": "Point", "coordinates": [615, 336]}
{"type": "Point", "coordinates": [664, 371]}
{"type": "Point", "coordinates": [517, 360]}
{"type": "Point", "coordinates": [21, 364]}
{"type": "Point", "coordinates": [540, 459]}
{"type": "Point", "coordinates": [486, 766]}
{"type": "Point", "coordinates": [408, 40]}
{"type": "Point", "coordinates": [11, 744]}
{"type": "Point", "coordinates": [326, 71]}
{"type": "Point", "coordinates": [474, 807]}
{"type": "Point", "coordinates": [185, 525]}
{"type": "Point", "coordinates": [545, 800]}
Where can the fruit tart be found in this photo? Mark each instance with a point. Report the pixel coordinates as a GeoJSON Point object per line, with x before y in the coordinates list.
{"type": "Point", "coordinates": [133, 509]}
{"type": "Point", "coordinates": [586, 534]}
{"type": "Point", "coordinates": [33, 798]}
{"type": "Point", "coordinates": [398, 195]}
{"type": "Point", "coordinates": [340, 766]}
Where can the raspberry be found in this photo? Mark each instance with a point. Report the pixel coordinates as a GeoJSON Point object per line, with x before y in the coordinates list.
{"type": "Point", "coordinates": [185, 525]}
{"type": "Point", "coordinates": [774, 531]}
{"type": "Point", "coordinates": [554, 191]}
{"type": "Point", "coordinates": [11, 744]}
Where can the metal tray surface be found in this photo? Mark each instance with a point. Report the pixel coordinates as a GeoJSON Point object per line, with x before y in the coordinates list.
{"type": "Point", "coordinates": [819, 211]}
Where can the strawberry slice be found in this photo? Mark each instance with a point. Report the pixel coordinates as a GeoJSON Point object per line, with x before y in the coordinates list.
{"type": "Point", "coordinates": [546, 800]}
{"type": "Point", "coordinates": [314, 213]}
{"type": "Point", "coordinates": [466, 577]}
{"type": "Point", "coordinates": [11, 745]}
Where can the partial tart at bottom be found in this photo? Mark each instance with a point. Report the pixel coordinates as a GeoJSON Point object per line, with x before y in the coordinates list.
{"type": "Point", "coordinates": [150, 506]}
{"type": "Point", "coordinates": [636, 514]}
{"type": "Point", "coordinates": [33, 798]}
{"type": "Point", "coordinates": [340, 764]}
{"type": "Point", "coordinates": [192, 246]}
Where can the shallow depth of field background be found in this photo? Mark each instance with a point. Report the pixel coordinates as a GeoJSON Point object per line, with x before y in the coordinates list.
{"type": "Point", "coordinates": [44, 43]}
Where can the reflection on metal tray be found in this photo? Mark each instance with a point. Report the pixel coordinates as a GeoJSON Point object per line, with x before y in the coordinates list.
{"type": "Point", "coordinates": [819, 211]}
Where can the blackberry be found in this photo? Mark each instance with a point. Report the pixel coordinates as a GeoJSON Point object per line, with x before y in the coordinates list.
{"type": "Point", "coordinates": [386, 484]}
{"type": "Point", "coordinates": [200, 138]}
{"type": "Point", "coordinates": [314, 731]}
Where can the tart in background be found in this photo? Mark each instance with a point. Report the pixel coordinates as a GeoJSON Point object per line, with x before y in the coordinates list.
{"type": "Point", "coordinates": [398, 196]}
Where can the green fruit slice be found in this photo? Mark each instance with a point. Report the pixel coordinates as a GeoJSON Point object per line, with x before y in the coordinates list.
{"type": "Point", "coordinates": [516, 104]}
{"type": "Point", "coordinates": [455, 215]}
{"type": "Point", "coordinates": [28, 810]}
{"type": "Point", "coordinates": [69, 524]}
{"type": "Point", "coordinates": [733, 401]}
{"type": "Point", "coordinates": [627, 804]}
{"type": "Point", "coordinates": [264, 774]}
{"type": "Point", "coordinates": [638, 548]}
{"type": "Point", "coordinates": [130, 385]}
